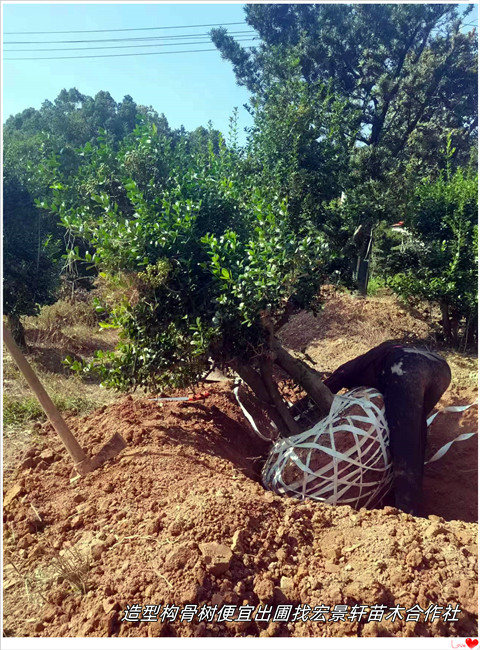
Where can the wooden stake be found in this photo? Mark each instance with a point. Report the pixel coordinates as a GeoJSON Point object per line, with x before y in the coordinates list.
{"type": "Point", "coordinates": [53, 414]}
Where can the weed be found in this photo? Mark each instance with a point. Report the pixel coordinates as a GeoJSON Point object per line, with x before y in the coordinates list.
{"type": "Point", "coordinates": [72, 566]}
{"type": "Point", "coordinates": [64, 313]}
{"type": "Point", "coordinates": [19, 411]}
{"type": "Point", "coordinates": [376, 285]}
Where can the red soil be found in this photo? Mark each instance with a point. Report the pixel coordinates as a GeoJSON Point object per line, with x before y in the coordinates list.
{"type": "Point", "coordinates": [189, 476]}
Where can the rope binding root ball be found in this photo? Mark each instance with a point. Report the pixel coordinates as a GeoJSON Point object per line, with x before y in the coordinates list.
{"type": "Point", "coordinates": [343, 460]}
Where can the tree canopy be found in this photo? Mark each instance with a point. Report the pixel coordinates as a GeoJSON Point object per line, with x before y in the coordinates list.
{"type": "Point", "coordinates": [44, 145]}
{"type": "Point", "coordinates": [408, 72]}
{"type": "Point", "coordinates": [208, 266]}
{"type": "Point", "coordinates": [400, 80]}
{"type": "Point", "coordinates": [437, 260]}
{"type": "Point", "coordinates": [363, 115]}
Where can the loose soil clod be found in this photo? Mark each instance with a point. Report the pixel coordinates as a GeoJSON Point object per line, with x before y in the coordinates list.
{"type": "Point", "coordinates": [181, 518]}
{"type": "Point", "coordinates": [177, 529]}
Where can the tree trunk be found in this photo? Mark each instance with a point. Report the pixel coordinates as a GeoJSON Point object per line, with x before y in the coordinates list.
{"type": "Point", "coordinates": [18, 333]}
{"type": "Point", "coordinates": [308, 378]}
{"type": "Point", "coordinates": [257, 385]}
{"type": "Point", "coordinates": [277, 399]}
{"type": "Point", "coordinates": [447, 328]}
{"type": "Point", "coordinates": [363, 265]}
{"type": "Point", "coordinates": [471, 332]}
{"type": "Point", "coordinates": [455, 323]}
{"type": "Point", "coordinates": [266, 391]}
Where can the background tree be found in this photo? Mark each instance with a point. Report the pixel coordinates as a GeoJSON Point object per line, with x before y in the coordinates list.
{"type": "Point", "coordinates": [75, 119]}
{"type": "Point", "coordinates": [298, 145]}
{"type": "Point", "coordinates": [438, 259]}
{"type": "Point", "coordinates": [31, 254]}
{"type": "Point", "coordinates": [47, 144]}
{"type": "Point", "coordinates": [202, 139]}
{"type": "Point", "coordinates": [405, 74]}
{"type": "Point", "coordinates": [403, 68]}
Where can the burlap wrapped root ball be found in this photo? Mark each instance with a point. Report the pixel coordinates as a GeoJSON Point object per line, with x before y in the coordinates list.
{"type": "Point", "coordinates": [344, 459]}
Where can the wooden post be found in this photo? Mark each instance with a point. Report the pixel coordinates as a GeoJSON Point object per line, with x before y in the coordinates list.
{"type": "Point", "coordinates": [53, 414]}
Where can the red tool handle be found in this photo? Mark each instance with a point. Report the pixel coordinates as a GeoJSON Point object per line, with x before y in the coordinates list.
{"type": "Point", "coordinates": [198, 396]}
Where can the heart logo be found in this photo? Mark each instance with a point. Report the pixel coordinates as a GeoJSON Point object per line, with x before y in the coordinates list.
{"type": "Point", "coordinates": [471, 643]}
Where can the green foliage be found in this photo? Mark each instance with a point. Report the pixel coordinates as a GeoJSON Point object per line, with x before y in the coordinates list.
{"type": "Point", "coordinates": [297, 146]}
{"type": "Point", "coordinates": [20, 411]}
{"type": "Point", "coordinates": [406, 71]}
{"type": "Point", "coordinates": [209, 258]}
{"type": "Point", "coordinates": [52, 143]}
{"type": "Point", "coordinates": [356, 98]}
{"type": "Point", "coordinates": [75, 119]}
{"type": "Point", "coordinates": [376, 285]}
{"type": "Point", "coordinates": [31, 252]}
{"type": "Point", "coordinates": [438, 261]}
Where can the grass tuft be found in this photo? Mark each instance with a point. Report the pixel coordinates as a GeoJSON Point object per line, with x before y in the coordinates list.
{"type": "Point", "coordinates": [27, 409]}
{"type": "Point", "coordinates": [73, 567]}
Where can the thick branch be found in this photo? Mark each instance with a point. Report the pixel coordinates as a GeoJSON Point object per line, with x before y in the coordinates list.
{"type": "Point", "coordinates": [436, 79]}
{"type": "Point", "coordinates": [307, 377]}
{"type": "Point", "coordinates": [379, 121]}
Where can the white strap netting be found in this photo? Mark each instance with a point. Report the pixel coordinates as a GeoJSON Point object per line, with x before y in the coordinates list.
{"type": "Point", "coordinates": [343, 459]}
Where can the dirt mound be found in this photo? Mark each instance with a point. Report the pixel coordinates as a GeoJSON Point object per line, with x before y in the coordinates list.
{"type": "Point", "coordinates": [349, 326]}
{"type": "Point", "coordinates": [180, 518]}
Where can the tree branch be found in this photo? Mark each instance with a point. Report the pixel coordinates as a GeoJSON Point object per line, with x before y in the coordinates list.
{"type": "Point", "coordinates": [266, 372]}
{"type": "Point", "coordinates": [256, 383]}
{"type": "Point", "coordinates": [430, 92]}
{"type": "Point", "coordinates": [307, 377]}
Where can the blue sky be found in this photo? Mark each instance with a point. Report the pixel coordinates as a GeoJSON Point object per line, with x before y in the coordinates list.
{"type": "Point", "coordinates": [189, 89]}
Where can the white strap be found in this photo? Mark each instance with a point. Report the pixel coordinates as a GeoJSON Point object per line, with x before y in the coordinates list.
{"type": "Point", "coordinates": [463, 436]}
{"type": "Point", "coordinates": [449, 409]}
{"type": "Point", "coordinates": [443, 450]}
{"type": "Point", "coordinates": [248, 416]}
{"type": "Point", "coordinates": [338, 402]}
{"type": "Point", "coordinates": [332, 481]}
